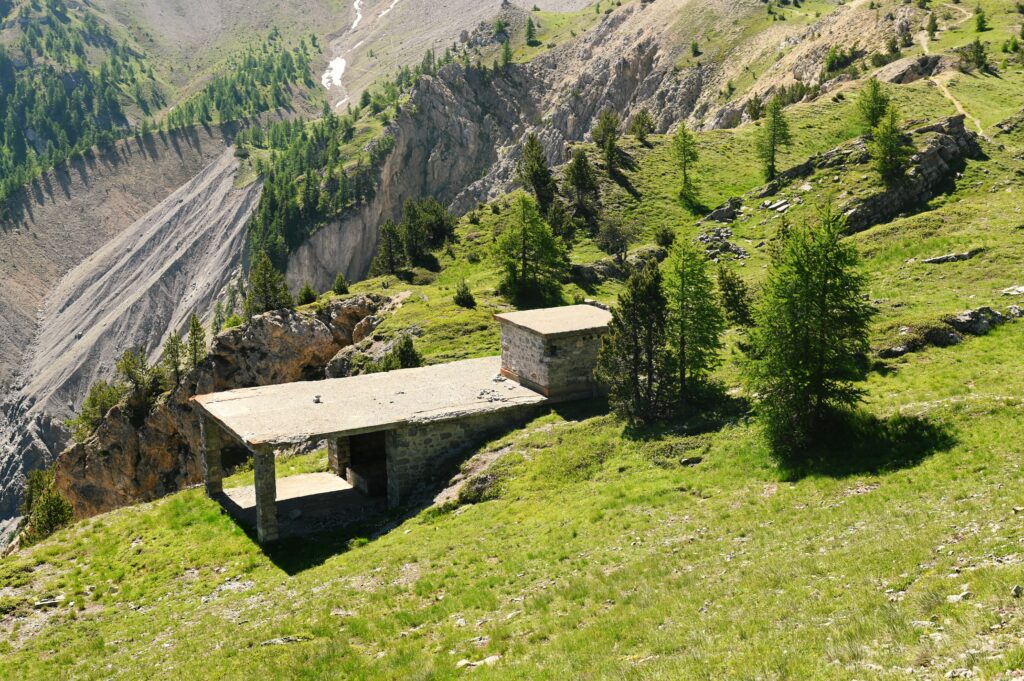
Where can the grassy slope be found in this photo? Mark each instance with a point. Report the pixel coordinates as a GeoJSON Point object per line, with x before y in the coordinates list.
{"type": "Point", "coordinates": [601, 552]}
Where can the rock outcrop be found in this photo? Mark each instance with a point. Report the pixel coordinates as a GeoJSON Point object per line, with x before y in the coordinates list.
{"type": "Point", "coordinates": [947, 147]}
{"type": "Point", "coordinates": [125, 463]}
{"type": "Point", "coordinates": [949, 331]}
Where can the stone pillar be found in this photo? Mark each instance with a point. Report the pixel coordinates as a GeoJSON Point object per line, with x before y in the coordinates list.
{"type": "Point", "coordinates": [213, 467]}
{"type": "Point", "coordinates": [339, 455]}
{"type": "Point", "coordinates": [392, 453]}
{"type": "Point", "coordinates": [265, 472]}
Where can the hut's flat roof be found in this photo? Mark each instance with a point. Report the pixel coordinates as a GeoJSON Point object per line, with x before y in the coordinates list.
{"type": "Point", "coordinates": [290, 414]}
{"type": "Point", "coordinates": [559, 321]}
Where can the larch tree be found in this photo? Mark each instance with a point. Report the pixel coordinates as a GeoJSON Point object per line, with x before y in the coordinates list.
{"type": "Point", "coordinates": [872, 104]}
{"type": "Point", "coordinates": [267, 287]}
{"type": "Point", "coordinates": [890, 151]}
{"type": "Point", "coordinates": [390, 253]}
{"type": "Point", "coordinates": [695, 321]}
{"type": "Point", "coordinates": [633, 363]}
{"type": "Point", "coordinates": [533, 259]}
{"type": "Point", "coordinates": [195, 345]}
{"type": "Point", "coordinates": [772, 137]}
{"type": "Point", "coordinates": [811, 335]}
{"type": "Point", "coordinates": [642, 126]}
{"type": "Point", "coordinates": [533, 172]}
{"type": "Point", "coordinates": [684, 147]}
{"type": "Point", "coordinates": [173, 359]}
{"type": "Point", "coordinates": [580, 184]}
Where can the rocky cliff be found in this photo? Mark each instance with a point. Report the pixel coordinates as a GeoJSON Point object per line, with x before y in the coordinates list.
{"type": "Point", "coordinates": [125, 463]}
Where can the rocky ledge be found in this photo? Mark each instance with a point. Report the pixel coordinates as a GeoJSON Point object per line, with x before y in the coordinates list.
{"type": "Point", "coordinates": [125, 463]}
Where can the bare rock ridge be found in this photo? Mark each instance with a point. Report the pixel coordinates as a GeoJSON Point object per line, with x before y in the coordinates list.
{"type": "Point", "coordinates": [126, 462]}
{"type": "Point", "coordinates": [176, 259]}
{"type": "Point", "coordinates": [459, 137]}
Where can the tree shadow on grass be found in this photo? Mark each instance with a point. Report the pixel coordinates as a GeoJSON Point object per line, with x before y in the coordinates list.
{"type": "Point", "coordinates": [858, 443]}
{"type": "Point", "coordinates": [707, 412]}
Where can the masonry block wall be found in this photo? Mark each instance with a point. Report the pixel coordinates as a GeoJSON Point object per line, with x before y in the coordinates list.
{"type": "Point", "coordinates": [416, 452]}
{"type": "Point", "coordinates": [557, 367]}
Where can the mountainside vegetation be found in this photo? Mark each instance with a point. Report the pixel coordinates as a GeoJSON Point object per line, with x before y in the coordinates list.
{"type": "Point", "coordinates": [807, 467]}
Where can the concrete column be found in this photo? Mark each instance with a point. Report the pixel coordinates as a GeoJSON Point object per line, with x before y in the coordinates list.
{"type": "Point", "coordinates": [213, 466]}
{"type": "Point", "coordinates": [265, 473]}
{"type": "Point", "coordinates": [339, 455]}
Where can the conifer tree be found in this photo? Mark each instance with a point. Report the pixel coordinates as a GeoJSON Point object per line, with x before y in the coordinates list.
{"type": "Point", "coordinates": [581, 185]}
{"type": "Point", "coordinates": [642, 126]}
{"type": "Point", "coordinates": [531, 33]}
{"type": "Point", "coordinates": [606, 130]}
{"type": "Point", "coordinates": [307, 295]}
{"type": "Point", "coordinates": [534, 174]}
{"type": "Point", "coordinates": [735, 296]}
{"type": "Point", "coordinates": [340, 286]}
{"type": "Point", "coordinates": [872, 104]}
{"type": "Point", "coordinates": [632, 363]}
{"type": "Point", "coordinates": [506, 53]}
{"type": "Point", "coordinates": [684, 146]}
{"type": "Point", "coordinates": [390, 254]}
{"type": "Point", "coordinates": [811, 333]}
{"type": "Point", "coordinates": [267, 287]}
{"type": "Point", "coordinates": [695, 321]}
{"type": "Point", "coordinates": [771, 137]}
{"type": "Point", "coordinates": [174, 355]}
{"type": "Point", "coordinates": [195, 345]}
{"type": "Point", "coordinates": [890, 151]}
{"type": "Point", "coordinates": [534, 261]}
{"type": "Point", "coordinates": [933, 26]}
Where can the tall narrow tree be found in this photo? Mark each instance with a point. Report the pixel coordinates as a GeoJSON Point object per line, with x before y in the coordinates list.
{"type": "Point", "coordinates": [684, 146]}
{"type": "Point", "coordinates": [267, 287]}
{"type": "Point", "coordinates": [390, 254]}
{"type": "Point", "coordinates": [581, 185]}
{"type": "Point", "coordinates": [890, 151]}
{"type": "Point", "coordinates": [872, 104]}
{"type": "Point", "coordinates": [772, 137]}
{"type": "Point", "coordinates": [174, 355]}
{"type": "Point", "coordinates": [811, 333]}
{"type": "Point", "coordinates": [632, 362]}
{"type": "Point", "coordinates": [534, 261]}
{"type": "Point", "coordinates": [195, 346]}
{"type": "Point", "coordinates": [534, 174]}
{"type": "Point", "coordinates": [641, 126]}
{"type": "Point", "coordinates": [695, 321]}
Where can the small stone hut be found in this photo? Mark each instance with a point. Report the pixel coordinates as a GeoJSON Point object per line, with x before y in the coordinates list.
{"type": "Point", "coordinates": [387, 433]}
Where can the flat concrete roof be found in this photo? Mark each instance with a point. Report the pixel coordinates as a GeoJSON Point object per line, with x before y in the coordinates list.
{"type": "Point", "coordinates": [290, 413]}
{"type": "Point", "coordinates": [559, 321]}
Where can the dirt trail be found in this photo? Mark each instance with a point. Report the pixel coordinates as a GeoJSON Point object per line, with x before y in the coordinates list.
{"type": "Point", "coordinates": [959, 105]}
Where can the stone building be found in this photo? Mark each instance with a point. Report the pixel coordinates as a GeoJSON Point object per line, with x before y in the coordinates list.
{"type": "Point", "coordinates": [387, 433]}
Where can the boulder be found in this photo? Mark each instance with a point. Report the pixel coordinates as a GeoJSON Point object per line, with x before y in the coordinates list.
{"type": "Point", "coordinates": [953, 257]}
{"type": "Point", "coordinates": [976, 322]}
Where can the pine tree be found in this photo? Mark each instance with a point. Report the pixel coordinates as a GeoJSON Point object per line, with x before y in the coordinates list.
{"type": "Point", "coordinates": [632, 362]}
{"type": "Point", "coordinates": [695, 321]}
{"type": "Point", "coordinates": [872, 104]}
{"type": "Point", "coordinates": [340, 286]}
{"type": "Point", "coordinates": [174, 356]}
{"type": "Point", "coordinates": [606, 130]}
{"type": "Point", "coordinates": [735, 296]}
{"type": "Point", "coordinates": [531, 33]}
{"type": "Point", "coordinates": [684, 146]}
{"type": "Point", "coordinates": [534, 261]}
{"type": "Point", "coordinates": [811, 333]}
{"type": "Point", "coordinates": [642, 126]}
{"type": "Point", "coordinates": [890, 151]}
{"type": "Point", "coordinates": [267, 287]}
{"type": "Point", "coordinates": [390, 253]}
{"type": "Point", "coordinates": [506, 54]}
{"type": "Point", "coordinates": [195, 345]}
{"type": "Point", "coordinates": [771, 137]}
{"type": "Point", "coordinates": [307, 295]}
{"type": "Point", "coordinates": [933, 26]}
{"type": "Point", "coordinates": [581, 185]}
{"type": "Point", "coordinates": [534, 174]}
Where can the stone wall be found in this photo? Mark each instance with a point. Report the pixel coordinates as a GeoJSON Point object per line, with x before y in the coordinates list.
{"type": "Point", "coordinates": [560, 367]}
{"type": "Point", "coordinates": [418, 453]}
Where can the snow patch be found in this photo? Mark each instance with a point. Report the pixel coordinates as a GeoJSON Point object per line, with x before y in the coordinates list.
{"type": "Point", "coordinates": [359, 14]}
{"type": "Point", "coordinates": [388, 10]}
{"type": "Point", "coordinates": [333, 75]}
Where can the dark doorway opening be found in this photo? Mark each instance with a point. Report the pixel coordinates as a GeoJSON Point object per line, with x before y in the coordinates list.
{"type": "Point", "coordinates": [367, 468]}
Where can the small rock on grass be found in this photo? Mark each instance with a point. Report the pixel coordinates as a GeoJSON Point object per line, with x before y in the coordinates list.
{"type": "Point", "coordinates": [1017, 591]}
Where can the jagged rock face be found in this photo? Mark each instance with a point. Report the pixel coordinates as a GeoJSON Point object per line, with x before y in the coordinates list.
{"type": "Point", "coordinates": [933, 170]}
{"type": "Point", "coordinates": [910, 69]}
{"type": "Point", "coordinates": [125, 463]}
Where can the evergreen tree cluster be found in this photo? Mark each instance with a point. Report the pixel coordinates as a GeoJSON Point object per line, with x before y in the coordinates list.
{"type": "Point", "coordinates": [426, 226]}
{"type": "Point", "coordinates": [64, 86]}
{"type": "Point", "coordinates": [258, 80]}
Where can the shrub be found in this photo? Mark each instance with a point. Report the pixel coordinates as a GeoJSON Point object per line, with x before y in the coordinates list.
{"type": "Point", "coordinates": [463, 296]}
{"type": "Point", "coordinates": [44, 507]}
{"type": "Point", "coordinates": [307, 295]}
{"type": "Point", "coordinates": [340, 286]}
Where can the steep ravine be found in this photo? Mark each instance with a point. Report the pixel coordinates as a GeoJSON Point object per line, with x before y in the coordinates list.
{"type": "Point", "coordinates": [175, 260]}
